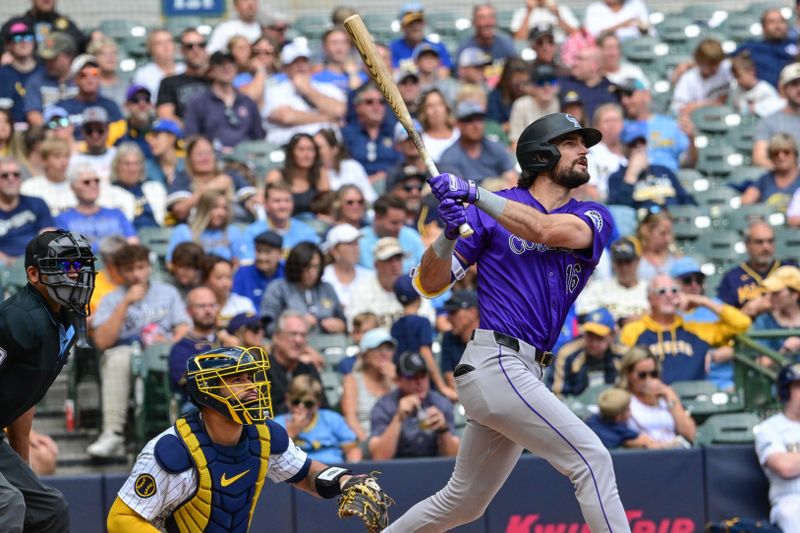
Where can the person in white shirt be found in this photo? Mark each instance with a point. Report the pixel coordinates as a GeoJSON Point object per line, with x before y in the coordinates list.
{"type": "Point", "coordinates": [707, 83]}
{"type": "Point", "coordinates": [750, 95]}
{"type": "Point", "coordinates": [296, 104]}
{"type": "Point", "coordinates": [778, 449]}
{"type": "Point", "coordinates": [344, 273]}
{"type": "Point", "coordinates": [161, 47]}
{"type": "Point", "coordinates": [245, 24]}
{"type": "Point", "coordinates": [626, 18]}
{"type": "Point", "coordinates": [543, 13]}
{"type": "Point", "coordinates": [218, 276]}
{"type": "Point", "coordinates": [342, 169]}
{"type": "Point", "coordinates": [541, 100]}
{"type": "Point", "coordinates": [606, 157]}
{"type": "Point", "coordinates": [614, 67]}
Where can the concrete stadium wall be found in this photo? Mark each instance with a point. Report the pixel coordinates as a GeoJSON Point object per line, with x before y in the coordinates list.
{"type": "Point", "coordinates": [676, 491]}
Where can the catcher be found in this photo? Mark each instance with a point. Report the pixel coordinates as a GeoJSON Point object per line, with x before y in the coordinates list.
{"type": "Point", "coordinates": [206, 473]}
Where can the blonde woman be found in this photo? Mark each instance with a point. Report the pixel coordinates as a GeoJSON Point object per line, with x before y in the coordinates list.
{"type": "Point", "coordinates": [438, 124]}
{"type": "Point", "coordinates": [210, 226]}
{"type": "Point", "coordinates": [656, 410]}
{"type": "Point", "coordinates": [128, 172]}
{"type": "Point", "coordinates": [655, 239]}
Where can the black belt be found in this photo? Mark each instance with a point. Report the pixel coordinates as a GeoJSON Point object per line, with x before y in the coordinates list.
{"type": "Point", "coordinates": [541, 357]}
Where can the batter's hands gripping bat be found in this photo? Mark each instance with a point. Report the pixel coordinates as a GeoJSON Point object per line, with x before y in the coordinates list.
{"type": "Point", "coordinates": [377, 69]}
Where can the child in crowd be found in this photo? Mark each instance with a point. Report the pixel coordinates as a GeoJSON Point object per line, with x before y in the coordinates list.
{"type": "Point", "coordinates": [611, 424]}
{"type": "Point", "coordinates": [362, 323]}
{"type": "Point", "coordinates": [186, 267]}
{"type": "Point", "coordinates": [749, 95]}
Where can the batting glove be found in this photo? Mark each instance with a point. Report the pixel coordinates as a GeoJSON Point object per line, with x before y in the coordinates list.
{"type": "Point", "coordinates": [451, 186]}
{"type": "Point", "coordinates": [453, 215]}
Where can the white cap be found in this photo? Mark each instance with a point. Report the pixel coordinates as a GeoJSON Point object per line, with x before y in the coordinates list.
{"type": "Point", "coordinates": [293, 51]}
{"type": "Point", "coordinates": [342, 233]}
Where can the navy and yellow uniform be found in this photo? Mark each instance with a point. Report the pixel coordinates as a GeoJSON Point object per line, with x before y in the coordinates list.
{"type": "Point", "coordinates": [682, 345]}
{"type": "Point", "coordinates": [574, 370]}
{"type": "Point", "coordinates": [742, 283]}
{"type": "Point", "coordinates": [184, 482]}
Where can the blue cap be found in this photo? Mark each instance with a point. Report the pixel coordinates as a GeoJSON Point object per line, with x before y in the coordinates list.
{"type": "Point", "coordinates": [685, 266]}
{"type": "Point", "coordinates": [242, 320]}
{"type": "Point", "coordinates": [400, 133]}
{"type": "Point", "coordinates": [600, 322]}
{"type": "Point", "coordinates": [469, 108]}
{"type": "Point", "coordinates": [635, 129]}
{"type": "Point", "coordinates": [167, 126]}
{"type": "Point", "coordinates": [411, 11]}
{"type": "Point", "coordinates": [53, 111]}
{"type": "Point", "coordinates": [404, 290]}
{"type": "Point", "coordinates": [374, 338]}
{"type": "Point", "coordinates": [422, 48]}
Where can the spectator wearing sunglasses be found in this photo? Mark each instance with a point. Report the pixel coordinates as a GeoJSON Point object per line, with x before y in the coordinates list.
{"type": "Point", "coordinates": [96, 151]}
{"type": "Point", "coordinates": [22, 218]}
{"type": "Point", "coordinates": [140, 113]}
{"type": "Point", "coordinates": [175, 92]}
{"type": "Point", "coordinates": [58, 125]}
{"type": "Point", "coordinates": [161, 49]}
{"type": "Point", "coordinates": [43, 16]}
{"type": "Point", "coordinates": [20, 43]}
{"type": "Point", "coordinates": [656, 410]}
{"type": "Point", "coordinates": [86, 74]}
{"type": "Point", "coordinates": [54, 83]}
{"type": "Point", "coordinates": [682, 345]}
{"type": "Point", "coordinates": [541, 100]}
{"type": "Point", "coordinates": [777, 187]}
{"type": "Point", "coordinates": [322, 433]}
{"type": "Point", "coordinates": [221, 112]}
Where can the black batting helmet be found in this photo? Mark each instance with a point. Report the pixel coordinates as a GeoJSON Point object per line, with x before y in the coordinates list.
{"type": "Point", "coordinates": [788, 375]}
{"type": "Point", "coordinates": [534, 151]}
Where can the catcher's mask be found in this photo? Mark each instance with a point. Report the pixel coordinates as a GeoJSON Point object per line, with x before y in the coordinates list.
{"type": "Point", "coordinates": [56, 254]}
{"type": "Point", "coordinates": [210, 383]}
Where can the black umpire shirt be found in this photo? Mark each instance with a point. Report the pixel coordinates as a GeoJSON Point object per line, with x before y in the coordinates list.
{"type": "Point", "coordinates": [34, 344]}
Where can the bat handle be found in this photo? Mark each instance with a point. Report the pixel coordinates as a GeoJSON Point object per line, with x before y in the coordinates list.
{"type": "Point", "coordinates": [464, 230]}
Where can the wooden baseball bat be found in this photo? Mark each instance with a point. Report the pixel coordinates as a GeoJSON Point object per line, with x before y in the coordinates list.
{"type": "Point", "coordinates": [386, 85]}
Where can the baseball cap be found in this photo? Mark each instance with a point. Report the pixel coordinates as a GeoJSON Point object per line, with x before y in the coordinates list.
{"type": "Point", "coordinates": [242, 320]}
{"type": "Point", "coordinates": [374, 338]}
{"type": "Point", "coordinates": [543, 71]}
{"type": "Point", "coordinates": [39, 246]}
{"type": "Point", "coordinates": [408, 172]}
{"type": "Point", "coordinates": [540, 31]}
{"type": "Point", "coordinates": [219, 57]}
{"type": "Point", "coordinates": [474, 57]}
{"type": "Point", "coordinates": [341, 233]}
{"type": "Point", "coordinates": [411, 12]}
{"type": "Point", "coordinates": [685, 266]}
{"type": "Point", "coordinates": [405, 72]}
{"type": "Point", "coordinates": [569, 98]}
{"type": "Point", "coordinates": [600, 322]}
{"type": "Point", "coordinates": [135, 89]}
{"type": "Point", "coordinates": [410, 364]}
{"type": "Point", "coordinates": [293, 51]}
{"type": "Point", "coordinates": [629, 85]}
{"type": "Point", "coordinates": [56, 43]}
{"type": "Point", "coordinates": [633, 130]}
{"type": "Point", "coordinates": [53, 111]}
{"type": "Point", "coordinates": [424, 48]}
{"type": "Point", "coordinates": [624, 249]}
{"type": "Point", "coordinates": [18, 27]}
{"type": "Point", "coordinates": [386, 248]}
{"type": "Point", "coordinates": [789, 73]}
{"type": "Point", "coordinates": [269, 238]}
{"type": "Point", "coordinates": [461, 300]}
{"type": "Point", "coordinates": [400, 133]}
{"type": "Point", "coordinates": [469, 108]}
{"type": "Point", "coordinates": [165, 125]}
{"type": "Point", "coordinates": [94, 114]}
{"type": "Point", "coordinates": [786, 277]}
{"type": "Point", "coordinates": [404, 290]}
{"type": "Point", "coordinates": [80, 62]}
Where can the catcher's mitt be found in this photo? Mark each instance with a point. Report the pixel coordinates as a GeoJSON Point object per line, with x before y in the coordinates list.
{"type": "Point", "coordinates": [364, 498]}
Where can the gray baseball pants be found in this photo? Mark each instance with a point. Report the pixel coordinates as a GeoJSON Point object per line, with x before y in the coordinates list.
{"type": "Point", "coordinates": [508, 409]}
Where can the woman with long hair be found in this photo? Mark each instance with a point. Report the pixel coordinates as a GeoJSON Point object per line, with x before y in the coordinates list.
{"type": "Point", "coordinates": [217, 275]}
{"type": "Point", "coordinates": [656, 409]}
{"type": "Point", "coordinates": [302, 170]}
{"type": "Point", "coordinates": [511, 86]}
{"type": "Point", "coordinates": [438, 124]}
{"type": "Point", "coordinates": [210, 226]}
{"type": "Point", "coordinates": [656, 242]}
{"type": "Point", "coordinates": [341, 168]}
{"type": "Point", "coordinates": [11, 144]}
{"type": "Point", "coordinates": [303, 291]}
{"type": "Point", "coordinates": [239, 47]}
{"type": "Point", "coordinates": [350, 206]}
{"type": "Point", "coordinates": [128, 172]}
{"type": "Point", "coordinates": [202, 174]}
{"type": "Point", "coordinates": [264, 63]}
{"type": "Point", "coordinates": [106, 51]}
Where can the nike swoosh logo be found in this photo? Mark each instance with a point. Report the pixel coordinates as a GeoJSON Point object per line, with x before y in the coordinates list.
{"type": "Point", "coordinates": [227, 481]}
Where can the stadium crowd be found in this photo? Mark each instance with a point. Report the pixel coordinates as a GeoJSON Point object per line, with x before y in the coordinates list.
{"type": "Point", "coordinates": [246, 188]}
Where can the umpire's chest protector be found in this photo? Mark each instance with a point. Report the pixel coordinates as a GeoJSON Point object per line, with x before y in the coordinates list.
{"type": "Point", "coordinates": [229, 480]}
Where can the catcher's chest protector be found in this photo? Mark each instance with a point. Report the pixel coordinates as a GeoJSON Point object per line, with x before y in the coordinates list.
{"type": "Point", "coordinates": [229, 480]}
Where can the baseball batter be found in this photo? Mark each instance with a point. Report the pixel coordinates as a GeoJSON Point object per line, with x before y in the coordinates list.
{"type": "Point", "coordinates": [778, 450]}
{"type": "Point", "coordinates": [535, 249]}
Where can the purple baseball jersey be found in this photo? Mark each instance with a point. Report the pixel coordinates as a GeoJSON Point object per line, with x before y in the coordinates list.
{"type": "Point", "coordinates": [525, 289]}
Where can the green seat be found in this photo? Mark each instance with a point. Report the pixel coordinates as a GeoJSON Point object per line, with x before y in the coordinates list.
{"type": "Point", "coordinates": [742, 137]}
{"type": "Point", "coordinates": [702, 399]}
{"type": "Point", "coordinates": [13, 276]}
{"type": "Point", "coordinates": [312, 26]}
{"type": "Point", "coordinates": [383, 26]}
{"type": "Point", "coordinates": [689, 221]}
{"type": "Point", "coordinates": [332, 386]}
{"type": "Point", "coordinates": [117, 29]}
{"type": "Point", "coordinates": [459, 418]}
{"type": "Point", "coordinates": [741, 27]}
{"type": "Point", "coordinates": [443, 22]}
{"type": "Point", "coordinates": [177, 24]}
{"type": "Point", "coordinates": [699, 12]}
{"type": "Point", "coordinates": [494, 131]}
{"type": "Point", "coordinates": [718, 160]}
{"type": "Point", "coordinates": [738, 218]}
{"type": "Point", "coordinates": [717, 198]}
{"type": "Point", "coordinates": [728, 428]}
{"type": "Point", "coordinates": [157, 241]}
{"type": "Point", "coordinates": [787, 241]}
{"type": "Point", "coordinates": [692, 180]}
{"type": "Point", "coordinates": [585, 403]}
{"type": "Point", "coordinates": [333, 346]}
{"type": "Point", "coordinates": [153, 400]}
{"type": "Point", "coordinates": [641, 50]}
{"type": "Point", "coordinates": [666, 64]}
{"type": "Point", "coordinates": [715, 119]}
{"type": "Point", "coordinates": [722, 247]}
{"type": "Point", "coordinates": [676, 29]}
{"type": "Point", "coordinates": [744, 174]}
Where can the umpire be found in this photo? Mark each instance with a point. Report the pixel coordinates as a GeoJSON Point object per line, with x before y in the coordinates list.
{"type": "Point", "coordinates": [37, 330]}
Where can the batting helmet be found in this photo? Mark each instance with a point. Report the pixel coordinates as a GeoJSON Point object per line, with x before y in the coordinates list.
{"type": "Point", "coordinates": [788, 375]}
{"type": "Point", "coordinates": [57, 254]}
{"type": "Point", "coordinates": [210, 383]}
{"type": "Point", "coordinates": [535, 152]}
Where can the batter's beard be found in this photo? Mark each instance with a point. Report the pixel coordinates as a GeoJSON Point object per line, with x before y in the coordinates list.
{"type": "Point", "coordinates": [572, 178]}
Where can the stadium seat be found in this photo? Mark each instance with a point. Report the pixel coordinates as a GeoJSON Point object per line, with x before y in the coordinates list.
{"type": "Point", "coordinates": [741, 26]}
{"type": "Point", "coordinates": [720, 246]}
{"type": "Point", "coordinates": [689, 221]}
{"type": "Point", "coordinates": [443, 23]}
{"type": "Point", "coordinates": [13, 277]}
{"type": "Point", "coordinates": [585, 404]}
{"type": "Point", "coordinates": [153, 402]}
{"type": "Point", "coordinates": [312, 26]}
{"type": "Point", "coordinates": [384, 26]}
{"type": "Point", "coordinates": [332, 385]}
{"type": "Point", "coordinates": [624, 218]}
{"type": "Point", "coordinates": [715, 119]}
{"type": "Point", "coordinates": [728, 428]}
{"type": "Point", "coordinates": [742, 176]}
{"type": "Point", "coordinates": [787, 242]}
{"type": "Point", "coordinates": [117, 29]}
{"type": "Point", "coordinates": [702, 399]}
{"type": "Point", "coordinates": [157, 240]}
{"type": "Point", "coordinates": [333, 346]}
{"type": "Point", "coordinates": [699, 12]}
{"type": "Point", "coordinates": [494, 132]}
{"type": "Point", "coordinates": [177, 24]}
{"type": "Point", "coordinates": [738, 218]}
{"type": "Point", "coordinates": [676, 29]}
{"type": "Point", "coordinates": [640, 50]}
{"type": "Point", "coordinates": [741, 137]}
{"type": "Point", "coordinates": [718, 160]}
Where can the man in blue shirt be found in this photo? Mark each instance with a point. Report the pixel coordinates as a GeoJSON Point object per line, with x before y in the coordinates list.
{"type": "Point", "coordinates": [486, 37]}
{"type": "Point", "coordinates": [586, 78]}
{"type": "Point", "coordinates": [20, 43]}
{"type": "Point", "coordinates": [140, 113]}
{"type": "Point", "coordinates": [53, 84]}
{"type": "Point", "coordinates": [775, 50]}
{"type": "Point", "coordinates": [390, 216]}
{"type": "Point", "coordinates": [369, 138]}
{"type": "Point", "coordinates": [412, 24]}
{"type": "Point", "coordinates": [339, 67]}
{"type": "Point", "coordinates": [251, 280]}
{"type": "Point", "coordinates": [22, 218]}
{"type": "Point", "coordinates": [473, 155]}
